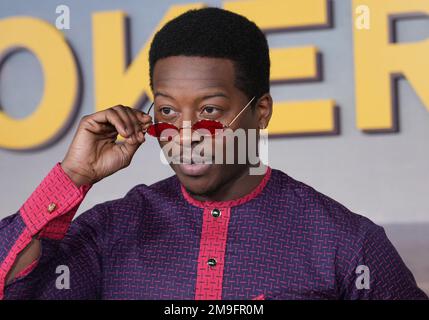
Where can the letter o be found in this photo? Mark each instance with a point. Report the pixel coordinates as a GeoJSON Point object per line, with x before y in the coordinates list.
{"type": "Point", "coordinates": [61, 82]}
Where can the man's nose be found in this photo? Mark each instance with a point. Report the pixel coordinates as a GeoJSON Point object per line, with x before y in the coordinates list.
{"type": "Point", "coordinates": [186, 138]}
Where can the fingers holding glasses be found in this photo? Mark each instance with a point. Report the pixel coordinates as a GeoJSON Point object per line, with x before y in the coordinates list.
{"type": "Point", "coordinates": [134, 122]}
{"type": "Point", "coordinates": [144, 118]}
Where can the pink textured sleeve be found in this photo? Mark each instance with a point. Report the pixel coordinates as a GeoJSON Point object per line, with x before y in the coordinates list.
{"type": "Point", "coordinates": [52, 206]}
{"type": "Point", "coordinates": [47, 213]}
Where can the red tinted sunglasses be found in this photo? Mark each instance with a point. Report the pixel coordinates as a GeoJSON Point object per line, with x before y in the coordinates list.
{"type": "Point", "coordinates": [211, 127]}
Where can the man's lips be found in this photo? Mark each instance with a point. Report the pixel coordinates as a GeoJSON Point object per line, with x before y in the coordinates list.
{"type": "Point", "coordinates": [192, 160]}
{"type": "Point", "coordinates": [194, 169]}
{"type": "Point", "coordinates": [194, 166]}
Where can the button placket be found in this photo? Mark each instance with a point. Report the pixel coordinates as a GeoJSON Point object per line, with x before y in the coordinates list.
{"type": "Point", "coordinates": [211, 258]}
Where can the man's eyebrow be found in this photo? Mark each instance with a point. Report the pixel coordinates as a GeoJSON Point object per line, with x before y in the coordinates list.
{"type": "Point", "coordinates": [214, 95]}
{"type": "Point", "coordinates": [161, 94]}
{"type": "Point", "coordinates": [207, 96]}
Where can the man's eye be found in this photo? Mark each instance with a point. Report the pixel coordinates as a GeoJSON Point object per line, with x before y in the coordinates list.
{"type": "Point", "coordinates": [167, 111]}
{"type": "Point", "coordinates": [210, 110]}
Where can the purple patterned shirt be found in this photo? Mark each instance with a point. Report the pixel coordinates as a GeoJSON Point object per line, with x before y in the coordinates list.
{"type": "Point", "coordinates": [284, 240]}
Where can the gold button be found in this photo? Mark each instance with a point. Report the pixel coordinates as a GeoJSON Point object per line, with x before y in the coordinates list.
{"type": "Point", "coordinates": [52, 206]}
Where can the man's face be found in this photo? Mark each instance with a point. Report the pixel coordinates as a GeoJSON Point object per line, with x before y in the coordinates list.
{"type": "Point", "coordinates": [194, 88]}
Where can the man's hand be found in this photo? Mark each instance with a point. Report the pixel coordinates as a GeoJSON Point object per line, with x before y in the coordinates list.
{"type": "Point", "coordinates": [94, 153]}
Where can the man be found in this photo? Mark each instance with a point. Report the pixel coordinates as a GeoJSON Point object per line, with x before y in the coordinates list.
{"type": "Point", "coordinates": [211, 231]}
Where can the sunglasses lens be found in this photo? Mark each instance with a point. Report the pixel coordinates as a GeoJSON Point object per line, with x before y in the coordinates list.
{"type": "Point", "coordinates": [203, 127]}
{"type": "Point", "coordinates": [210, 125]}
{"type": "Point", "coordinates": [157, 129]}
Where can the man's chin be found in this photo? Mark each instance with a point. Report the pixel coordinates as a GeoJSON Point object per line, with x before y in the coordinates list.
{"type": "Point", "coordinates": [196, 179]}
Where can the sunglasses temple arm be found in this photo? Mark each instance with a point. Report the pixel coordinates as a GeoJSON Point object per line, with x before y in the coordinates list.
{"type": "Point", "coordinates": [241, 111]}
{"type": "Point", "coordinates": [151, 105]}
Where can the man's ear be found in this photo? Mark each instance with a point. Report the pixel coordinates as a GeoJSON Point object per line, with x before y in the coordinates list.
{"type": "Point", "coordinates": [264, 107]}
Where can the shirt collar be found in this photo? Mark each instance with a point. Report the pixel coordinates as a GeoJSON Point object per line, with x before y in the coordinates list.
{"type": "Point", "coordinates": [230, 203]}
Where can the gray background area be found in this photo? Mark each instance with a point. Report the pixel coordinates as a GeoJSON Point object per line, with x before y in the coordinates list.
{"type": "Point", "coordinates": [382, 176]}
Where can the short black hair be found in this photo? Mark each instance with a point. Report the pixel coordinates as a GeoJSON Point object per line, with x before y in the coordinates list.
{"type": "Point", "coordinates": [217, 33]}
